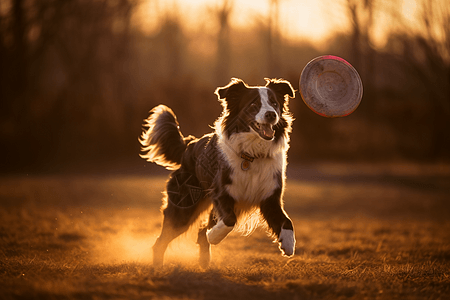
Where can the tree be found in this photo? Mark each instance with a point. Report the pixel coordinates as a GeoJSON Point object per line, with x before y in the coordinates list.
{"type": "Point", "coordinates": [223, 41]}
{"type": "Point", "coordinates": [273, 38]}
{"type": "Point", "coordinates": [360, 14]}
{"type": "Point", "coordinates": [425, 55]}
{"type": "Point", "coordinates": [58, 61]}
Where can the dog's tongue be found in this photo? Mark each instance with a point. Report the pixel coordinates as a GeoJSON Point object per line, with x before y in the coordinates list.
{"type": "Point", "coordinates": [267, 131]}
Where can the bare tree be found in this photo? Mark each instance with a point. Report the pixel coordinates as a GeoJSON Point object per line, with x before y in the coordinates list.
{"type": "Point", "coordinates": [423, 52]}
{"type": "Point", "coordinates": [273, 38]}
{"type": "Point", "coordinates": [173, 40]}
{"type": "Point", "coordinates": [360, 14]}
{"type": "Point", "coordinates": [57, 60]}
{"type": "Point", "coordinates": [223, 41]}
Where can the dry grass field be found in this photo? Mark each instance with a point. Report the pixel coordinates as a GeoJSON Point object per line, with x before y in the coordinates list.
{"type": "Point", "coordinates": [362, 233]}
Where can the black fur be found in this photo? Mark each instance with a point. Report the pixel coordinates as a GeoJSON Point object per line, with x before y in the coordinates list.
{"type": "Point", "coordinates": [162, 141]}
{"type": "Point", "coordinates": [202, 172]}
{"type": "Point", "coordinates": [235, 110]}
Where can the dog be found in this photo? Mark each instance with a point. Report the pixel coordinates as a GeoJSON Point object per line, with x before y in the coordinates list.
{"type": "Point", "coordinates": [236, 173]}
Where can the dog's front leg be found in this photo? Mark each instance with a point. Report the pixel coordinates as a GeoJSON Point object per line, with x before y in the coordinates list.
{"type": "Point", "coordinates": [279, 223]}
{"type": "Point", "coordinates": [224, 205]}
{"type": "Point", "coordinates": [286, 240]}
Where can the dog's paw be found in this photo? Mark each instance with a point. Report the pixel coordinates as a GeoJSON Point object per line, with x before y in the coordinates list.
{"type": "Point", "coordinates": [216, 234]}
{"type": "Point", "coordinates": [287, 242]}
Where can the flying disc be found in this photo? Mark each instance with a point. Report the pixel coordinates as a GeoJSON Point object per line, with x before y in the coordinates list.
{"type": "Point", "coordinates": [330, 86]}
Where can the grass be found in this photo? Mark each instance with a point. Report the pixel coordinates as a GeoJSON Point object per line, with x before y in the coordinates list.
{"type": "Point", "coordinates": [90, 237]}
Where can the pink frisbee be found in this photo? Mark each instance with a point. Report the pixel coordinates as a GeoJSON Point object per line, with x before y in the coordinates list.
{"type": "Point", "coordinates": [330, 86]}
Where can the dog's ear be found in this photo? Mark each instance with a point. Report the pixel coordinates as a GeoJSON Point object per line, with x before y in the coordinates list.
{"type": "Point", "coordinates": [235, 86]}
{"type": "Point", "coordinates": [281, 87]}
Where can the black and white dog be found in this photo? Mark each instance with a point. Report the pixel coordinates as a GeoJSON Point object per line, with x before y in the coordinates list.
{"type": "Point", "coordinates": [236, 173]}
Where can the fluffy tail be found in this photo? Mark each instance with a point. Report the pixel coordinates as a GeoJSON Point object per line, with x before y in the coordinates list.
{"type": "Point", "coordinates": [161, 140]}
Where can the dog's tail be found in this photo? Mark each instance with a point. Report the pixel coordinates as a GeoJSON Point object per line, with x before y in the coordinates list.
{"type": "Point", "coordinates": [161, 140]}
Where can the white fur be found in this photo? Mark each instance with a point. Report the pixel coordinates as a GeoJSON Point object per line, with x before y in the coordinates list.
{"type": "Point", "coordinates": [259, 181]}
{"type": "Point", "coordinates": [287, 242]}
{"type": "Point", "coordinates": [265, 106]}
{"type": "Point", "coordinates": [216, 234]}
{"type": "Point", "coordinates": [250, 187]}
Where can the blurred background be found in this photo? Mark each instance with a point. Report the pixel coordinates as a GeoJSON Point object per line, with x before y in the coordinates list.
{"type": "Point", "coordinates": [77, 77]}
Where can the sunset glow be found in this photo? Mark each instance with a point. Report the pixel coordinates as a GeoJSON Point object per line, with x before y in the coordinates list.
{"type": "Point", "coordinates": [315, 21]}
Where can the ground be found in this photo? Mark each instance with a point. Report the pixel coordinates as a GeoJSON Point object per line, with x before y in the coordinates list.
{"type": "Point", "coordinates": [363, 231]}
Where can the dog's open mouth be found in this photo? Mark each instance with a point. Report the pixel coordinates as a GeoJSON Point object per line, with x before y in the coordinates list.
{"type": "Point", "coordinates": [265, 131]}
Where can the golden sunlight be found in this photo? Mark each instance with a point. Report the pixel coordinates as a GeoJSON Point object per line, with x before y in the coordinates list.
{"type": "Point", "coordinates": [311, 20]}
{"type": "Point", "coordinates": [125, 246]}
{"type": "Point", "coordinates": [314, 21]}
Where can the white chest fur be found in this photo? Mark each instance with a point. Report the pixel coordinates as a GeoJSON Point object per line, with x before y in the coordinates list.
{"type": "Point", "coordinates": [250, 187]}
{"type": "Point", "coordinates": [255, 184]}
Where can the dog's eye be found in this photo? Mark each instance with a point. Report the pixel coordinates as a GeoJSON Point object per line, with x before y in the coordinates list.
{"type": "Point", "coordinates": [252, 108]}
{"type": "Point", "coordinates": [275, 104]}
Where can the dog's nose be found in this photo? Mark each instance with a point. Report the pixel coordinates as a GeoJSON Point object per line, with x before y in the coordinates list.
{"type": "Point", "coordinates": [270, 116]}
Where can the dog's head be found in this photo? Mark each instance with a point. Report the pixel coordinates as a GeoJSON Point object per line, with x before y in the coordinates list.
{"type": "Point", "coordinates": [262, 110]}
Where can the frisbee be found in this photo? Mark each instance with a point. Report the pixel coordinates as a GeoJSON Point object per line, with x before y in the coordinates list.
{"type": "Point", "coordinates": [330, 86]}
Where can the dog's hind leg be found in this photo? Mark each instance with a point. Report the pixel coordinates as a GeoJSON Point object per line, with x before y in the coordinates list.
{"type": "Point", "coordinates": [183, 208]}
{"type": "Point", "coordinates": [176, 221]}
{"type": "Point", "coordinates": [202, 241]}
{"type": "Point", "coordinates": [168, 233]}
